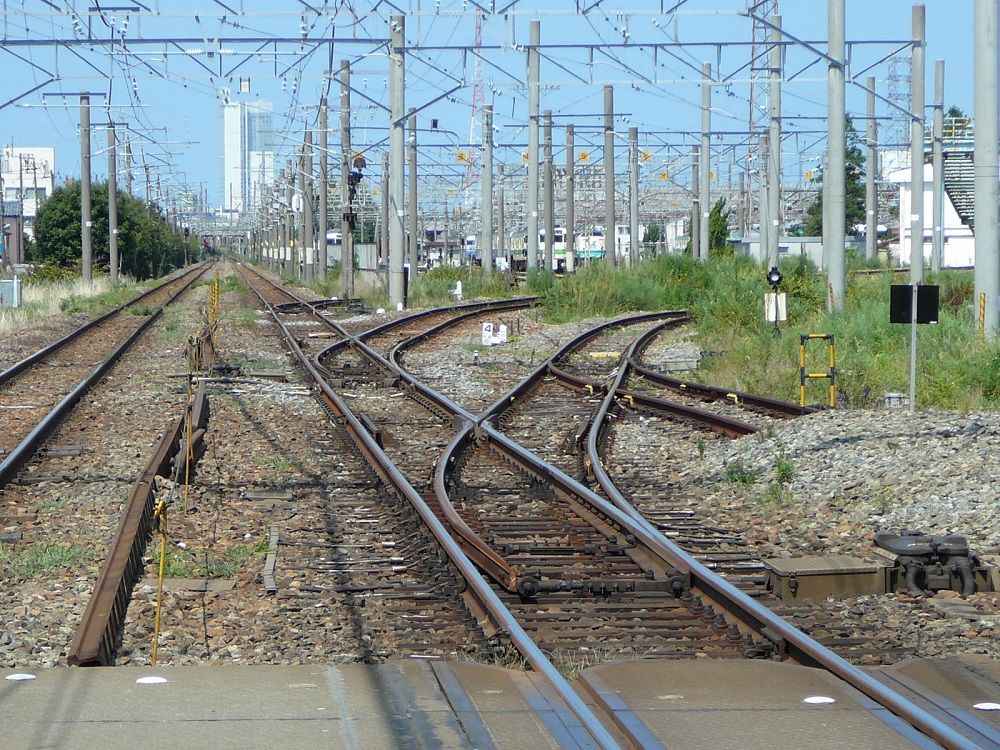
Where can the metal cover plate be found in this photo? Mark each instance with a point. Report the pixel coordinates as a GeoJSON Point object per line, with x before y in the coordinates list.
{"type": "Point", "coordinates": [824, 565]}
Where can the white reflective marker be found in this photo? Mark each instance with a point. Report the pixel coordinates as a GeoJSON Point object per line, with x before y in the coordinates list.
{"type": "Point", "coordinates": [978, 706]}
{"type": "Point", "coordinates": [818, 700]}
{"type": "Point", "coordinates": [19, 677]}
{"type": "Point", "coordinates": [150, 680]}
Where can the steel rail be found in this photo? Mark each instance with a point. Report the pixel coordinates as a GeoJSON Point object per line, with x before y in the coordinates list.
{"type": "Point", "coordinates": [478, 586]}
{"type": "Point", "coordinates": [789, 640]}
{"type": "Point", "coordinates": [20, 455]}
{"type": "Point", "coordinates": [16, 369]}
{"type": "Point", "coordinates": [99, 632]}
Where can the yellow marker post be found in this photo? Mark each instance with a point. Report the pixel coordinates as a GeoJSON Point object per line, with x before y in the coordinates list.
{"type": "Point", "coordinates": [804, 375]}
{"type": "Point", "coordinates": [161, 521]}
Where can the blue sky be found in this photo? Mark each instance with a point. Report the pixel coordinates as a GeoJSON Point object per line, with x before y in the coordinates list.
{"type": "Point", "coordinates": [169, 94]}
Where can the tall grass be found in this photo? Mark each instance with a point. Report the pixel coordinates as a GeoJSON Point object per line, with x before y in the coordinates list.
{"type": "Point", "coordinates": [44, 299]}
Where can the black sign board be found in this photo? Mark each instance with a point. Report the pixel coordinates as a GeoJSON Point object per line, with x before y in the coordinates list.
{"type": "Point", "coordinates": [901, 304]}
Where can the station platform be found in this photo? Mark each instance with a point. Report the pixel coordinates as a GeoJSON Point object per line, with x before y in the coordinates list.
{"type": "Point", "coordinates": [418, 703]}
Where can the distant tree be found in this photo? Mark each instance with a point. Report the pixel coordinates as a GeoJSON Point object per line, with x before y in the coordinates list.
{"type": "Point", "coordinates": [854, 185]}
{"type": "Point", "coordinates": [718, 231]}
{"type": "Point", "coordinates": [956, 112]}
{"type": "Point", "coordinates": [148, 245]}
{"type": "Point", "coordinates": [652, 233]}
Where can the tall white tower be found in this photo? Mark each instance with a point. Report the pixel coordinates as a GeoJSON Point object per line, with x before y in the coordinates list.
{"type": "Point", "coordinates": [246, 161]}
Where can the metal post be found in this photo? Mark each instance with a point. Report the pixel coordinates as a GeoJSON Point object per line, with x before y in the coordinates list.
{"type": "Point", "coordinates": [112, 205]}
{"type": "Point", "coordinates": [288, 252]}
{"type": "Point", "coordinates": [324, 187]}
{"type": "Point", "coordinates": [987, 164]}
{"type": "Point", "coordinates": [937, 202]}
{"type": "Point", "coordinates": [86, 220]}
{"type": "Point", "coordinates": [633, 195]}
{"type": "Point", "coordinates": [128, 167]}
{"type": "Point", "coordinates": [774, 148]}
{"type": "Point", "coordinates": [547, 190]}
{"type": "Point", "coordinates": [833, 181]}
{"type": "Point", "coordinates": [570, 198]}
{"type": "Point", "coordinates": [609, 177]}
{"type": "Point", "coordinates": [397, 159]}
{"type": "Point", "coordinates": [411, 175]}
{"type": "Point", "coordinates": [871, 173]}
{"type": "Point", "coordinates": [346, 204]}
{"type": "Point", "coordinates": [487, 186]}
{"type": "Point", "coordinates": [534, 39]}
{"type": "Point", "coordinates": [705, 198]}
{"type": "Point", "coordinates": [917, 55]}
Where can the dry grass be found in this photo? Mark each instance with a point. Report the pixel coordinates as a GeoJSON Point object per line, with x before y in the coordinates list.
{"type": "Point", "coordinates": [42, 300]}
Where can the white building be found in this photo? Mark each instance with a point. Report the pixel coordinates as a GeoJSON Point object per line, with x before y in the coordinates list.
{"type": "Point", "coordinates": [246, 162]}
{"type": "Point", "coordinates": [27, 178]}
{"type": "Point", "coordinates": [959, 243]}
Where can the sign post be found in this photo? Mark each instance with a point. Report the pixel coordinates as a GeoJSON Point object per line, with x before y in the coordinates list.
{"type": "Point", "coordinates": [913, 304]}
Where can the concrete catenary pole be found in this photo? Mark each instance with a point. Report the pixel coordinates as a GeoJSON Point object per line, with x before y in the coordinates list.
{"type": "Point", "coordinates": [324, 186]}
{"type": "Point", "coordinates": [397, 162]}
{"type": "Point", "coordinates": [86, 220]}
{"type": "Point", "coordinates": [917, 61]}
{"type": "Point", "coordinates": [383, 237]}
{"type": "Point", "coordinates": [487, 185]}
{"type": "Point", "coordinates": [547, 192]}
{"type": "Point", "coordinates": [411, 176]}
{"type": "Point", "coordinates": [289, 257]}
{"type": "Point", "coordinates": [705, 165]}
{"type": "Point", "coordinates": [987, 166]}
{"type": "Point", "coordinates": [763, 203]}
{"type": "Point", "coordinates": [833, 181]}
{"type": "Point", "coordinates": [501, 224]}
{"type": "Point", "coordinates": [695, 231]}
{"type": "Point", "coordinates": [871, 174]}
{"type": "Point", "coordinates": [570, 199]}
{"type": "Point", "coordinates": [112, 204]}
{"type": "Point", "coordinates": [937, 190]}
{"type": "Point", "coordinates": [633, 195]}
{"type": "Point", "coordinates": [774, 146]}
{"type": "Point", "coordinates": [609, 176]}
{"type": "Point", "coordinates": [534, 37]}
{"type": "Point", "coordinates": [306, 187]}
{"type": "Point", "coordinates": [346, 204]}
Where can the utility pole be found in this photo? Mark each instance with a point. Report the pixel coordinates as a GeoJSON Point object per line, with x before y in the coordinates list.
{"type": "Point", "coordinates": [324, 186]}
{"type": "Point", "coordinates": [609, 177]}
{"type": "Point", "coordinates": [833, 179]}
{"type": "Point", "coordinates": [411, 175]}
{"type": "Point", "coordinates": [534, 40]}
{"type": "Point", "coordinates": [550, 219]}
{"type": "Point", "coordinates": [128, 167]}
{"type": "Point", "coordinates": [487, 187]}
{"type": "Point", "coordinates": [570, 198]}
{"type": "Point", "coordinates": [705, 198]}
{"type": "Point", "coordinates": [86, 220]}
{"type": "Point", "coordinates": [347, 219]}
{"type": "Point", "coordinates": [871, 172]}
{"type": "Point", "coordinates": [112, 205]}
{"type": "Point", "coordinates": [917, 55]}
{"type": "Point", "coordinates": [383, 249]}
{"type": "Point", "coordinates": [937, 157]}
{"type": "Point", "coordinates": [633, 195]}
{"type": "Point", "coordinates": [397, 162]}
{"type": "Point", "coordinates": [290, 230]}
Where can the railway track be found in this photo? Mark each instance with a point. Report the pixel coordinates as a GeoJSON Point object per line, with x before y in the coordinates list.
{"type": "Point", "coordinates": [571, 573]}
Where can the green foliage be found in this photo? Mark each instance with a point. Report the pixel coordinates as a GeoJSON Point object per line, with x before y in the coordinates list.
{"type": "Point", "coordinates": [148, 245]}
{"type": "Point", "coordinates": [36, 560]}
{"type": "Point", "coordinates": [737, 473]}
{"type": "Point", "coordinates": [784, 470]}
{"type": "Point", "coordinates": [854, 186]}
{"type": "Point", "coordinates": [434, 287]}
